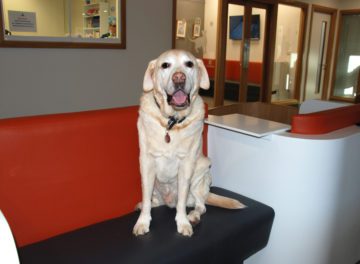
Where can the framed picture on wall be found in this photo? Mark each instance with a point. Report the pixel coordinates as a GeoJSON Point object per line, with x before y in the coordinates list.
{"type": "Point", "coordinates": [181, 29]}
{"type": "Point", "coordinates": [196, 30]}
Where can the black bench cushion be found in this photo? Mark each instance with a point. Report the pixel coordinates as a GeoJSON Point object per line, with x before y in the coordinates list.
{"type": "Point", "coordinates": [222, 236]}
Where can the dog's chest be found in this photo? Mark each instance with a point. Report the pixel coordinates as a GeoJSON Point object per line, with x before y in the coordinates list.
{"type": "Point", "coordinates": [169, 156]}
{"type": "Point", "coordinates": [166, 168]}
{"type": "Point", "coordinates": [181, 139]}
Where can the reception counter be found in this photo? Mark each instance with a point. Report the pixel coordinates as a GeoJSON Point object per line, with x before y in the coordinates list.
{"type": "Point", "coordinates": [311, 181]}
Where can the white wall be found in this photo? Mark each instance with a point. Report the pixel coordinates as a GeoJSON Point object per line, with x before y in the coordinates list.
{"type": "Point", "coordinates": [189, 11]}
{"type": "Point", "coordinates": [287, 32]}
{"type": "Point", "coordinates": [210, 26]}
{"type": "Point", "coordinates": [77, 20]}
{"type": "Point", "coordinates": [41, 81]}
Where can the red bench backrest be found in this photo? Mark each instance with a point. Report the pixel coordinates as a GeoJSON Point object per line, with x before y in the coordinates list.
{"type": "Point", "coordinates": [62, 172]}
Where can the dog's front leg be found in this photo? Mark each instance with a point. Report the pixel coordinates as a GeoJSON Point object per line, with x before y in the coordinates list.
{"type": "Point", "coordinates": [185, 172]}
{"type": "Point", "coordinates": [147, 179]}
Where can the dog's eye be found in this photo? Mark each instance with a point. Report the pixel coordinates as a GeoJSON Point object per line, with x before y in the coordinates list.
{"type": "Point", "coordinates": [189, 64]}
{"type": "Point", "coordinates": [165, 65]}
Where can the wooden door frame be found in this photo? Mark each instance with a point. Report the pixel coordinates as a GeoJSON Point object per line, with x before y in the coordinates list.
{"type": "Point", "coordinates": [243, 88]}
{"type": "Point", "coordinates": [174, 8]}
{"type": "Point", "coordinates": [333, 14]}
{"type": "Point", "coordinates": [220, 54]}
{"type": "Point", "coordinates": [246, 41]}
{"type": "Point", "coordinates": [268, 54]}
{"type": "Point", "coordinates": [338, 98]}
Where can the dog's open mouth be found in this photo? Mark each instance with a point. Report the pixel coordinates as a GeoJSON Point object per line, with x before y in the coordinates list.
{"type": "Point", "coordinates": [179, 99]}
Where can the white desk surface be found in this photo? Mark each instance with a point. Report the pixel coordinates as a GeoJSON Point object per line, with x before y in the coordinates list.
{"type": "Point", "coordinates": [249, 125]}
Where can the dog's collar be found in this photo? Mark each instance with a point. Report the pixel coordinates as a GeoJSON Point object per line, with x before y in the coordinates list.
{"type": "Point", "coordinates": [172, 121]}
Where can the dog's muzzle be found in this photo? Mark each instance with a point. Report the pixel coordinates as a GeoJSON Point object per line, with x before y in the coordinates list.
{"type": "Point", "coordinates": [179, 98]}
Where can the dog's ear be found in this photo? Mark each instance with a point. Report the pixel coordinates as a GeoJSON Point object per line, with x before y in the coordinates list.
{"type": "Point", "coordinates": [203, 75]}
{"type": "Point", "coordinates": [148, 83]}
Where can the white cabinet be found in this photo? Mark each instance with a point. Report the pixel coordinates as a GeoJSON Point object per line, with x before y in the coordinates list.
{"type": "Point", "coordinates": [96, 17]}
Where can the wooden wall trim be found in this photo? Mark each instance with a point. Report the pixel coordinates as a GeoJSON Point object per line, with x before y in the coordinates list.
{"type": "Point", "coordinates": [350, 11]}
{"type": "Point", "coordinates": [269, 53]}
{"type": "Point", "coordinates": [329, 54]}
{"type": "Point", "coordinates": [244, 58]}
{"type": "Point", "coordinates": [323, 9]}
{"type": "Point", "coordinates": [220, 52]}
{"type": "Point", "coordinates": [2, 23]}
{"type": "Point", "coordinates": [174, 10]}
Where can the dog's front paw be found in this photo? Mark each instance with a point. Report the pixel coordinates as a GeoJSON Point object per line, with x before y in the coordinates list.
{"type": "Point", "coordinates": [142, 225]}
{"type": "Point", "coordinates": [185, 229]}
{"type": "Point", "coordinates": [141, 228]}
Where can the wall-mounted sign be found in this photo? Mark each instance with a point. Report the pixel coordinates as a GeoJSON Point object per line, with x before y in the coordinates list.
{"type": "Point", "coordinates": [22, 21]}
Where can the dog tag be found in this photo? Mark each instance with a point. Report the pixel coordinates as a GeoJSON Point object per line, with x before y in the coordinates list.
{"type": "Point", "coordinates": [167, 138]}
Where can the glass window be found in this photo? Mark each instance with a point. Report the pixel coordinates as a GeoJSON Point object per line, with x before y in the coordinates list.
{"type": "Point", "coordinates": [82, 21]}
{"type": "Point", "coordinates": [348, 59]}
{"type": "Point", "coordinates": [286, 53]}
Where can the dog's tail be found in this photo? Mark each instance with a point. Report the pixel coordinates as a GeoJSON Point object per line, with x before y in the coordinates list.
{"type": "Point", "coordinates": [224, 202]}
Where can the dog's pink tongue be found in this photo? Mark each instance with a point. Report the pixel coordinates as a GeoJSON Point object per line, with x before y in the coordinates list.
{"type": "Point", "coordinates": [179, 98]}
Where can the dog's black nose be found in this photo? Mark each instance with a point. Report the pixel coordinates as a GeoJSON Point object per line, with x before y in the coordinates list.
{"type": "Point", "coordinates": [178, 78]}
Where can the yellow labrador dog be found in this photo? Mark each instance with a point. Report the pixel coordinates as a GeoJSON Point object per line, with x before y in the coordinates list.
{"type": "Point", "coordinates": [173, 169]}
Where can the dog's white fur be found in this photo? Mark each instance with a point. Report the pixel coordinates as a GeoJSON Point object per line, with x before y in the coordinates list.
{"type": "Point", "coordinates": [176, 173]}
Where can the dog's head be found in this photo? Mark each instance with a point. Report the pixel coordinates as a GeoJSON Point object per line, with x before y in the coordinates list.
{"type": "Point", "coordinates": [175, 78]}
